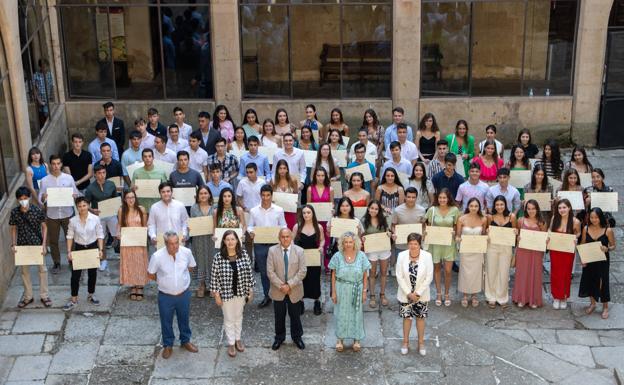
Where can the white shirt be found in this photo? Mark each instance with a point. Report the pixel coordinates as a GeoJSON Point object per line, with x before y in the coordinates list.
{"type": "Point", "coordinates": [409, 151]}
{"type": "Point", "coordinates": [167, 217]}
{"type": "Point", "coordinates": [146, 142]}
{"type": "Point", "coordinates": [499, 147]}
{"type": "Point", "coordinates": [172, 274]}
{"type": "Point", "coordinates": [169, 156]}
{"type": "Point", "coordinates": [250, 192]}
{"type": "Point", "coordinates": [371, 151]}
{"type": "Point", "coordinates": [185, 131]}
{"type": "Point", "coordinates": [85, 234]}
{"type": "Point", "coordinates": [261, 217]}
{"type": "Point", "coordinates": [63, 180]}
{"type": "Point", "coordinates": [197, 159]}
{"type": "Point", "coordinates": [296, 162]}
{"type": "Point", "coordinates": [182, 144]}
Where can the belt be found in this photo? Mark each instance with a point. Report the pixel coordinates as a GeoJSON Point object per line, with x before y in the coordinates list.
{"type": "Point", "coordinates": [356, 299]}
{"type": "Point", "coordinates": [173, 295]}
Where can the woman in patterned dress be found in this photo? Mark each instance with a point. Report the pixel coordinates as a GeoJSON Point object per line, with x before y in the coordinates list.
{"type": "Point", "coordinates": [132, 259]}
{"type": "Point", "coordinates": [202, 245]}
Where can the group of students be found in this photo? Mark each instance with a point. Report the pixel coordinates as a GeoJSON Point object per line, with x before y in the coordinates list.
{"type": "Point", "coordinates": [414, 179]}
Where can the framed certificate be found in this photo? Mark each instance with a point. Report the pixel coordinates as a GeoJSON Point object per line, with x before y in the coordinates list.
{"type": "Point", "coordinates": [377, 242]}
{"type": "Point", "coordinates": [109, 207]}
{"type": "Point", "coordinates": [575, 198]}
{"type": "Point", "coordinates": [219, 231]}
{"type": "Point", "coordinates": [607, 201]}
{"type": "Point", "coordinates": [341, 157]}
{"type": "Point", "coordinates": [402, 231]}
{"type": "Point", "coordinates": [60, 197]}
{"type": "Point", "coordinates": [133, 236]}
{"type": "Point", "coordinates": [591, 252]}
{"type": "Point", "coordinates": [186, 195]}
{"type": "Point", "coordinates": [556, 184]}
{"type": "Point", "coordinates": [542, 199]}
{"type": "Point", "coordinates": [85, 259]}
{"type": "Point", "coordinates": [504, 236]}
{"type": "Point", "coordinates": [363, 168]}
{"type": "Point", "coordinates": [28, 255]}
{"type": "Point", "coordinates": [561, 242]}
{"type": "Point", "coordinates": [340, 226]}
{"type": "Point", "coordinates": [337, 186]}
{"type": "Point", "coordinates": [533, 240]}
{"type": "Point", "coordinates": [323, 211]}
{"type": "Point", "coordinates": [286, 201]}
{"type": "Point", "coordinates": [312, 257]}
{"type": "Point", "coordinates": [147, 188]}
{"type": "Point", "coordinates": [266, 235]}
{"type": "Point", "coordinates": [439, 235]}
{"type": "Point", "coordinates": [473, 244]}
{"type": "Point", "coordinates": [200, 226]}
{"type": "Point", "coordinates": [519, 178]}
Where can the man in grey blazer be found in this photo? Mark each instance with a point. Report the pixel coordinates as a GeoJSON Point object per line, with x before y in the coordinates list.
{"type": "Point", "coordinates": [286, 260]}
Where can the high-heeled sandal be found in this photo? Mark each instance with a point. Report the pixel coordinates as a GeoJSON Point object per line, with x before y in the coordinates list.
{"type": "Point", "coordinates": [384, 301]}
{"type": "Point", "coordinates": [447, 300]}
{"type": "Point", "coordinates": [474, 302]}
{"type": "Point", "coordinates": [438, 301]}
{"type": "Point", "coordinates": [372, 303]}
{"type": "Point", "coordinates": [356, 346]}
{"type": "Point", "coordinates": [464, 302]}
{"type": "Point", "coordinates": [339, 346]}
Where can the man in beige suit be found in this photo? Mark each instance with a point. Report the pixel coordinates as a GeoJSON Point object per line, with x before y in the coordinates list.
{"type": "Point", "coordinates": [286, 260]}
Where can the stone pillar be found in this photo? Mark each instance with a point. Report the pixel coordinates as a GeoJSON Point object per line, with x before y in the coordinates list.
{"type": "Point", "coordinates": [406, 57]}
{"type": "Point", "coordinates": [57, 54]}
{"type": "Point", "coordinates": [9, 30]}
{"type": "Point", "coordinates": [589, 68]}
{"type": "Point", "coordinates": [226, 57]}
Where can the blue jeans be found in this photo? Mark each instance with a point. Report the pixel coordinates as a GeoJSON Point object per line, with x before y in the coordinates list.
{"type": "Point", "coordinates": [261, 252]}
{"type": "Point", "coordinates": [167, 306]}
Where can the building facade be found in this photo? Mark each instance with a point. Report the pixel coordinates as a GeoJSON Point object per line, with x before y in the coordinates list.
{"type": "Point", "coordinates": [537, 64]}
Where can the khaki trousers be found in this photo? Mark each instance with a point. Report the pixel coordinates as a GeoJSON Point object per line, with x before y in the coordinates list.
{"type": "Point", "coordinates": [54, 230]}
{"type": "Point", "coordinates": [43, 282]}
{"type": "Point", "coordinates": [233, 318]}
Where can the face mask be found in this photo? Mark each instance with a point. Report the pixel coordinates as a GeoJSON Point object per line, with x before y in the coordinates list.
{"type": "Point", "coordinates": [24, 202]}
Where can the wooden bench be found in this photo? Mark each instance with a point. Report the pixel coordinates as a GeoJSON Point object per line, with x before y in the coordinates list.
{"type": "Point", "coordinates": [359, 60]}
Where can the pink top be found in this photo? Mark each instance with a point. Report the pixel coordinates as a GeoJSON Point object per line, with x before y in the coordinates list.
{"type": "Point", "coordinates": [488, 174]}
{"type": "Point", "coordinates": [227, 130]}
{"type": "Point", "coordinates": [324, 197]}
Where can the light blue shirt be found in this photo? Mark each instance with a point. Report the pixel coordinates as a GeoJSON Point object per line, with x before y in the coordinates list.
{"type": "Point", "coordinates": [94, 149]}
{"type": "Point", "coordinates": [216, 190]}
{"type": "Point", "coordinates": [260, 160]}
{"type": "Point", "coordinates": [404, 166]}
{"type": "Point", "coordinates": [391, 135]}
{"type": "Point", "coordinates": [129, 157]}
{"type": "Point", "coordinates": [511, 194]}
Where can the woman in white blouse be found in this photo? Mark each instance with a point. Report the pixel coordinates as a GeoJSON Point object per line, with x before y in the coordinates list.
{"type": "Point", "coordinates": [84, 232]}
{"type": "Point", "coordinates": [414, 272]}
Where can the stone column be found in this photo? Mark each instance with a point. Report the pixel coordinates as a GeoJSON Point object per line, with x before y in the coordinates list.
{"type": "Point", "coordinates": [406, 57]}
{"type": "Point", "coordinates": [56, 60]}
{"type": "Point", "coordinates": [589, 68]}
{"type": "Point", "coordinates": [226, 57]}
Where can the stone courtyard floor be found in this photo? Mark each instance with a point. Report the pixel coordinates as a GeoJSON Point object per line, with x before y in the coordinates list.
{"type": "Point", "coordinates": [118, 342]}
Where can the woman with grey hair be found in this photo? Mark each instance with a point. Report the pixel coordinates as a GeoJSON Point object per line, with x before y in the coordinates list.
{"type": "Point", "coordinates": [349, 268]}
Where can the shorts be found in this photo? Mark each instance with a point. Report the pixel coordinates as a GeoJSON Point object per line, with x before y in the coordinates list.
{"type": "Point", "coordinates": [378, 256]}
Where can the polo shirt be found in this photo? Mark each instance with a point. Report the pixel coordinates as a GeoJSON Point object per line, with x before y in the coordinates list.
{"type": "Point", "coordinates": [94, 193]}
{"type": "Point", "coordinates": [160, 129]}
{"type": "Point", "coordinates": [78, 165]}
{"type": "Point", "coordinates": [154, 173]}
{"type": "Point", "coordinates": [94, 149]}
{"type": "Point", "coordinates": [113, 168]}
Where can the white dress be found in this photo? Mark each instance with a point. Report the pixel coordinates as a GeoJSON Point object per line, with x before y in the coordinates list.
{"type": "Point", "coordinates": [470, 279]}
{"type": "Point", "coordinates": [266, 142]}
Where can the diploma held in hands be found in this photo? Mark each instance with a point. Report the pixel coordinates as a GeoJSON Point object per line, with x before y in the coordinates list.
{"type": "Point", "coordinates": [312, 257]}
{"type": "Point", "coordinates": [439, 235]}
{"type": "Point", "coordinates": [219, 231]}
{"type": "Point", "coordinates": [337, 186]}
{"type": "Point", "coordinates": [607, 201]}
{"type": "Point", "coordinates": [323, 211]}
{"type": "Point", "coordinates": [591, 252]}
{"type": "Point", "coordinates": [109, 207]}
{"type": "Point", "coordinates": [28, 255]}
{"type": "Point", "coordinates": [403, 231]}
{"type": "Point", "coordinates": [133, 236]}
{"type": "Point", "coordinates": [200, 226]}
{"type": "Point", "coordinates": [266, 235]}
{"type": "Point", "coordinates": [377, 242]}
{"type": "Point", "coordinates": [340, 226]}
{"type": "Point", "coordinates": [359, 212]}
{"type": "Point", "coordinates": [585, 179]}
{"type": "Point", "coordinates": [117, 180]}
{"type": "Point", "coordinates": [341, 157]}
{"type": "Point", "coordinates": [519, 178]}
{"type": "Point", "coordinates": [310, 157]}
{"type": "Point", "coordinates": [60, 197]}
{"type": "Point", "coordinates": [363, 168]}
{"type": "Point", "coordinates": [473, 244]}
{"type": "Point", "coordinates": [561, 242]}
{"type": "Point", "coordinates": [575, 198]}
{"type": "Point", "coordinates": [85, 259]}
{"type": "Point", "coordinates": [286, 201]}
{"type": "Point", "coordinates": [542, 199]}
{"type": "Point", "coordinates": [504, 236]}
{"type": "Point", "coordinates": [533, 240]}
{"type": "Point", "coordinates": [147, 188]}
{"type": "Point", "coordinates": [186, 195]}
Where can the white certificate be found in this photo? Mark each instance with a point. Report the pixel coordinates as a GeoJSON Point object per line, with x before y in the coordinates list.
{"type": "Point", "coordinates": [561, 242]}
{"type": "Point", "coordinates": [519, 178]}
{"type": "Point", "coordinates": [346, 140]}
{"type": "Point", "coordinates": [219, 231]}
{"type": "Point", "coordinates": [607, 201]}
{"type": "Point", "coordinates": [340, 226]}
{"type": "Point", "coordinates": [147, 188]}
{"type": "Point", "coordinates": [404, 179]}
{"type": "Point", "coordinates": [372, 158]}
{"type": "Point", "coordinates": [28, 255]}
{"type": "Point", "coordinates": [575, 198]}
{"type": "Point", "coordinates": [117, 180]}
{"type": "Point", "coordinates": [165, 166]}
{"type": "Point", "coordinates": [591, 252]}
{"type": "Point", "coordinates": [556, 184]}
{"type": "Point", "coordinates": [200, 225]}
{"type": "Point", "coordinates": [360, 212]}
{"type": "Point", "coordinates": [133, 236]}
{"type": "Point", "coordinates": [85, 259]}
{"type": "Point", "coordinates": [439, 235]}
{"type": "Point", "coordinates": [269, 152]}
{"type": "Point", "coordinates": [323, 211]}
{"type": "Point", "coordinates": [286, 201]}
{"type": "Point", "coordinates": [402, 231]}
{"type": "Point", "coordinates": [341, 157]}
{"type": "Point", "coordinates": [60, 197]}
{"type": "Point", "coordinates": [533, 240]}
{"type": "Point", "coordinates": [363, 168]}
{"type": "Point", "coordinates": [504, 236]}
{"type": "Point", "coordinates": [310, 157]}
{"type": "Point", "coordinates": [377, 242]}
{"type": "Point", "coordinates": [186, 195]}
{"type": "Point", "coordinates": [131, 168]}
{"type": "Point", "coordinates": [109, 207]}
{"type": "Point", "coordinates": [266, 235]}
{"type": "Point", "coordinates": [237, 153]}
{"type": "Point", "coordinates": [337, 186]}
{"type": "Point", "coordinates": [585, 179]}
{"type": "Point", "coordinates": [312, 257]}
{"type": "Point", "coordinates": [542, 199]}
{"type": "Point", "coordinates": [473, 243]}
{"type": "Point", "coordinates": [532, 162]}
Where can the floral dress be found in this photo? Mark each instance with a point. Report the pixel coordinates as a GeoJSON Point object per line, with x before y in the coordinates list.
{"type": "Point", "coordinates": [228, 219]}
{"type": "Point", "coordinates": [416, 309]}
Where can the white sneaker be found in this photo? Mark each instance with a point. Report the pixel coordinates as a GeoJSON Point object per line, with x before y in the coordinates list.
{"type": "Point", "coordinates": [404, 350]}
{"type": "Point", "coordinates": [422, 351]}
{"type": "Point", "coordinates": [563, 304]}
{"type": "Point", "coordinates": [556, 303]}
{"type": "Point", "coordinates": [103, 265]}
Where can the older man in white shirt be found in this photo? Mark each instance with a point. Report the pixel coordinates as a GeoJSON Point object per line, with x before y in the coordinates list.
{"type": "Point", "coordinates": [167, 214]}
{"type": "Point", "coordinates": [266, 214]}
{"type": "Point", "coordinates": [170, 267]}
{"type": "Point", "coordinates": [293, 156]}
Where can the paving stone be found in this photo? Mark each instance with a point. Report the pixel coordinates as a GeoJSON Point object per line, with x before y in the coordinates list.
{"type": "Point", "coordinates": [39, 321]}
{"type": "Point", "coordinates": [367, 366]}
{"type": "Point", "coordinates": [74, 357]}
{"type": "Point", "coordinates": [166, 381]}
{"type": "Point", "coordinates": [6, 363]}
{"type": "Point", "coordinates": [578, 337]}
{"type": "Point", "coordinates": [611, 337]}
{"type": "Point", "coordinates": [372, 327]}
{"type": "Point", "coordinates": [455, 352]}
{"type": "Point", "coordinates": [120, 375]}
{"type": "Point", "coordinates": [252, 359]}
{"type": "Point", "coordinates": [183, 364]}
{"type": "Point", "coordinates": [125, 355]}
{"type": "Point", "coordinates": [29, 368]}
{"type": "Point", "coordinates": [31, 382]}
{"type": "Point", "coordinates": [592, 376]}
{"type": "Point", "coordinates": [496, 343]}
{"type": "Point", "coordinates": [575, 354]}
{"type": "Point", "coordinates": [50, 343]}
{"type": "Point", "coordinates": [412, 362]}
{"type": "Point", "coordinates": [461, 375]}
{"type": "Point", "coordinates": [543, 364]}
{"type": "Point", "coordinates": [520, 335]}
{"type": "Point", "coordinates": [67, 379]}
{"type": "Point", "coordinates": [13, 345]}
{"type": "Point", "coordinates": [133, 331]}
{"type": "Point", "coordinates": [543, 336]}
{"type": "Point", "coordinates": [610, 357]}
{"type": "Point", "coordinates": [409, 378]}
{"type": "Point", "coordinates": [509, 374]}
{"type": "Point", "coordinates": [593, 321]}
{"type": "Point", "coordinates": [82, 328]}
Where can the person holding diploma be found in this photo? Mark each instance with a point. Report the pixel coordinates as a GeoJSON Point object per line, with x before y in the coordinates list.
{"type": "Point", "coordinates": [498, 259]}
{"type": "Point", "coordinates": [375, 222]}
{"type": "Point", "coordinates": [228, 214]}
{"type": "Point", "coordinates": [528, 263]}
{"type": "Point", "coordinates": [167, 214]}
{"type": "Point", "coordinates": [84, 232]}
{"type": "Point", "coordinates": [293, 156]}
{"type": "Point", "coordinates": [101, 189]}
{"type": "Point", "coordinates": [349, 268]}
{"type": "Point", "coordinates": [551, 159]}
{"type": "Point", "coordinates": [595, 277]}
{"type": "Point", "coordinates": [183, 175]}
{"type": "Point", "coordinates": [462, 144]}
{"type": "Point", "coordinates": [561, 263]}
{"type": "Point", "coordinates": [326, 160]}
{"type": "Point", "coordinates": [148, 171]}
{"type": "Point", "coordinates": [540, 183]}
{"type": "Point", "coordinates": [470, 280]}
{"type": "Point", "coordinates": [320, 191]}
{"type": "Point", "coordinates": [28, 228]}
{"type": "Point", "coordinates": [284, 182]}
{"type": "Point", "coordinates": [390, 192]}
{"type": "Point", "coordinates": [360, 158]}
{"type": "Point", "coordinates": [443, 213]}
{"type": "Point", "coordinates": [489, 162]}
{"type": "Point", "coordinates": [422, 184]}
{"type": "Point", "coordinates": [309, 235]}
{"type": "Point", "coordinates": [414, 276]}
{"type": "Point", "coordinates": [132, 259]}
{"type": "Point", "coordinates": [202, 246]}
{"type": "Point", "coordinates": [266, 214]}
{"type": "Point", "coordinates": [231, 283]}
{"type": "Point", "coordinates": [571, 182]}
{"type": "Point", "coordinates": [345, 210]}
{"type": "Point", "coordinates": [358, 195]}
{"type": "Point", "coordinates": [473, 187]}
{"type": "Point", "coordinates": [511, 194]}
{"type": "Point", "coordinates": [598, 185]}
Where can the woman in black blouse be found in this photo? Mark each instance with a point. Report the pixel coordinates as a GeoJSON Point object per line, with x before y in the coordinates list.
{"type": "Point", "coordinates": [232, 283]}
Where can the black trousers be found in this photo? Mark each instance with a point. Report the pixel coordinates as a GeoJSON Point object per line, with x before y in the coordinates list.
{"type": "Point", "coordinates": [294, 312]}
{"type": "Point", "coordinates": [75, 275]}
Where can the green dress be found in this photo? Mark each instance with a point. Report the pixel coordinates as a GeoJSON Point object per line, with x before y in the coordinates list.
{"type": "Point", "coordinates": [435, 218]}
{"type": "Point", "coordinates": [348, 311]}
{"type": "Point", "coordinates": [468, 148]}
{"type": "Point", "coordinates": [521, 191]}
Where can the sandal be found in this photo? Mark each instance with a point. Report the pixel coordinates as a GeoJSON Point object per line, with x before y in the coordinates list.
{"type": "Point", "coordinates": [504, 306]}
{"type": "Point", "coordinates": [605, 313]}
{"type": "Point", "coordinates": [139, 294]}
{"type": "Point", "coordinates": [438, 301]}
{"type": "Point", "coordinates": [590, 309]}
{"type": "Point", "coordinates": [201, 292]}
{"type": "Point", "coordinates": [384, 301]}
{"type": "Point", "coordinates": [239, 346]}
{"type": "Point", "coordinates": [356, 346]}
{"type": "Point", "coordinates": [339, 346]}
{"type": "Point", "coordinates": [47, 302]}
{"type": "Point", "coordinates": [474, 302]}
{"type": "Point", "coordinates": [23, 303]}
{"type": "Point", "coordinates": [447, 300]}
{"type": "Point", "coordinates": [231, 351]}
{"type": "Point", "coordinates": [464, 302]}
{"type": "Point", "coordinates": [492, 305]}
{"type": "Point", "coordinates": [372, 303]}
